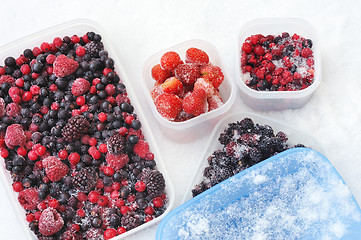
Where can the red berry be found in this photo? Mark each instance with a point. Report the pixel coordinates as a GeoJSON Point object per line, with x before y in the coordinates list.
{"type": "Point", "coordinates": [140, 186]}
{"type": "Point", "coordinates": [80, 100]}
{"type": "Point", "coordinates": [110, 89]}
{"type": "Point", "coordinates": [32, 155]}
{"type": "Point", "coordinates": [57, 42]}
{"type": "Point", "coordinates": [131, 198]}
{"type": "Point", "coordinates": [102, 117]}
{"type": "Point", "coordinates": [4, 153]}
{"type": "Point", "coordinates": [22, 151]}
{"type": "Point", "coordinates": [121, 230]}
{"type": "Point", "coordinates": [213, 74]}
{"type": "Point", "coordinates": [195, 103]}
{"type": "Point", "coordinates": [80, 51]}
{"type": "Point", "coordinates": [119, 203]}
{"type": "Point", "coordinates": [168, 105]}
{"type": "Point", "coordinates": [75, 227]}
{"type": "Point", "coordinates": [159, 74]}
{"type": "Point", "coordinates": [63, 154]}
{"type": "Point", "coordinates": [96, 155]}
{"type": "Point", "coordinates": [2, 71]}
{"type": "Point", "coordinates": [123, 131]}
{"type": "Point", "coordinates": [172, 85]}
{"type": "Point", "coordinates": [129, 119]}
{"type": "Point", "coordinates": [93, 196]}
{"type": "Point", "coordinates": [247, 47]}
{"type": "Point", "coordinates": [124, 210]}
{"type": "Point", "coordinates": [74, 158]}
{"type": "Point", "coordinates": [96, 81]}
{"type": "Point", "coordinates": [35, 90]}
{"type": "Point", "coordinates": [110, 233]}
{"type": "Point", "coordinates": [103, 148]}
{"type": "Point", "coordinates": [54, 203]}
{"type": "Point", "coordinates": [53, 88]}
{"type": "Point", "coordinates": [187, 73]}
{"type": "Point", "coordinates": [258, 49]}
{"type": "Point", "coordinates": [92, 141]}
{"type": "Point", "coordinates": [103, 201]}
{"type": "Point", "coordinates": [45, 47]}
{"type": "Point", "coordinates": [27, 96]}
{"type": "Point", "coordinates": [75, 39]}
{"type": "Point", "coordinates": [30, 217]}
{"type": "Point", "coordinates": [158, 202]}
{"type": "Point", "coordinates": [170, 60]}
{"type": "Point", "coordinates": [109, 171]}
{"type": "Point", "coordinates": [195, 55]}
{"type": "Point", "coordinates": [149, 210]}
{"type": "Point", "coordinates": [64, 66]}
{"type": "Point", "coordinates": [106, 71]}
{"type": "Point", "coordinates": [40, 150]}
{"type": "Point", "coordinates": [18, 186]}
{"type": "Point", "coordinates": [25, 69]}
{"type": "Point", "coordinates": [55, 106]}
{"type": "Point", "coordinates": [148, 218]}
{"type": "Point", "coordinates": [80, 212]}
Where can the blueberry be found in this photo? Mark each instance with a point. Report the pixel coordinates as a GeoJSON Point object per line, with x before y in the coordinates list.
{"type": "Point", "coordinates": [96, 222]}
{"type": "Point", "coordinates": [102, 94]}
{"type": "Point", "coordinates": [28, 53]}
{"type": "Point", "coordinates": [136, 125]}
{"type": "Point", "coordinates": [37, 67]}
{"type": "Point", "coordinates": [9, 61]}
{"type": "Point", "coordinates": [133, 139]}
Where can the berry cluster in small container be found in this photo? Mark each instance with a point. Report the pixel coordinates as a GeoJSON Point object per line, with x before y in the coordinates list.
{"type": "Point", "coordinates": [73, 144]}
{"type": "Point", "coordinates": [185, 90]}
{"type": "Point", "coordinates": [277, 63]}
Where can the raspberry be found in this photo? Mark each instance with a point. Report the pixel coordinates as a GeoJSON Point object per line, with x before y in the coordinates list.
{"type": "Point", "coordinates": [195, 103]}
{"type": "Point", "coordinates": [80, 86]}
{"type": "Point", "coordinates": [28, 198]}
{"type": "Point", "coordinates": [213, 74]}
{"type": "Point", "coordinates": [14, 136]}
{"type": "Point", "coordinates": [172, 85]}
{"type": "Point", "coordinates": [187, 73]}
{"type": "Point", "coordinates": [170, 60]}
{"type": "Point", "coordinates": [7, 79]}
{"type": "Point", "coordinates": [141, 148]}
{"type": "Point", "coordinates": [2, 107]}
{"type": "Point", "coordinates": [247, 47]}
{"type": "Point", "coordinates": [159, 74]}
{"type": "Point", "coordinates": [306, 52]}
{"type": "Point", "coordinates": [64, 66]}
{"type": "Point", "coordinates": [195, 55]}
{"type": "Point", "coordinates": [50, 222]}
{"type": "Point", "coordinates": [13, 109]}
{"type": "Point", "coordinates": [117, 161]}
{"type": "Point", "coordinates": [54, 168]}
{"type": "Point", "coordinates": [168, 105]}
{"type": "Point", "coordinates": [205, 85]}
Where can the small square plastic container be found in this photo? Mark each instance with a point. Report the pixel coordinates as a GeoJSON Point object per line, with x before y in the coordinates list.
{"type": "Point", "coordinates": [204, 123]}
{"type": "Point", "coordinates": [278, 100]}
{"type": "Point", "coordinates": [294, 137]}
{"type": "Point", "coordinates": [80, 27]}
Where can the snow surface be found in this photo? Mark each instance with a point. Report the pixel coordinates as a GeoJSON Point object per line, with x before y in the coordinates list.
{"type": "Point", "coordinates": [141, 28]}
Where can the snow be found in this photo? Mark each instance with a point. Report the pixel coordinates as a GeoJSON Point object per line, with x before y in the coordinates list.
{"type": "Point", "coordinates": [141, 28]}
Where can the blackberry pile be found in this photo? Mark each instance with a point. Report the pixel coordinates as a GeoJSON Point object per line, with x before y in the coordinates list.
{"type": "Point", "coordinates": [244, 145]}
{"type": "Point", "coordinates": [81, 127]}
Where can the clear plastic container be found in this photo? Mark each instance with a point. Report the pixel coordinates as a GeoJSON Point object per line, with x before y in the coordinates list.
{"type": "Point", "coordinates": [190, 129]}
{"type": "Point", "coordinates": [294, 137]}
{"type": "Point", "coordinates": [278, 100]}
{"type": "Point", "coordinates": [80, 27]}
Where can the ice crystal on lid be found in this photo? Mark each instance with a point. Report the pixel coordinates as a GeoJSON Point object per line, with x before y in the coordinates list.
{"type": "Point", "coordinates": [298, 195]}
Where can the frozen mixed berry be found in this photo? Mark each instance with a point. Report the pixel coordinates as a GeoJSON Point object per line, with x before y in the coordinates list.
{"type": "Point", "coordinates": [244, 144]}
{"type": "Point", "coordinates": [277, 62]}
{"type": "Point", "coordinates": [178, 91]}
{"type": "Point", "coordinates": [72, 141]}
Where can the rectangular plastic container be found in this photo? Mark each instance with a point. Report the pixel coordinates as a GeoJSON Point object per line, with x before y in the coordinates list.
{"type": "Point", "coordinates": [80, 27]}
{"type": "Point", "coordinates": [204, 123]}
{"type": "Point", "coordinates": [278, 100]}
{"type": "Point", "coordinates": [294, 137]}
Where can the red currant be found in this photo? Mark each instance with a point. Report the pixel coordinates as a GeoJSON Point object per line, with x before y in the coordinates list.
{"type": "Point", "coordinates": [110, 233]}
{"type": "Point", "coordinates": [53, 203]}
{"type": "Point", "coordinates": [102, 117]}
{"type": "Point", "coordinates": [80, 51]}
{"type": "Point", "coordinates": [32, 155]}
{"type": "Point", "coordinates": [93, 196]}
{"type": "Point", "coordinates": [18, 187]}
{"type": "Point", "coordinates": [35, 90]}
{"type": "Point", "coordinates": [121, 230]}
{"type": "Point", "coordinates": [103, 201]}
{"type": "Point", "coordinates": [109, 171]}
{"type": "Point", "coordinates": [124, 210]}
{"type": "Point", "coordinates": [80, 100]}
{"type": "Point", "coordinates": [140, 186]}
{"type": "Point", "coordinates": [75, 39]}
{"type": "Point", "coordinates": [103, 148]}
{"type": "Point", "coordinates": [40, 150]}
{"type": "Point", "coordinates": [63, 154]}
{"type": "Point", "coordinates": [45, 47]}
{"type": "Point", "coordinates": [74, 158]}
{"type": "Point", "coordinates": [158, 202]}
{"type": "Point", "coordinates": [149, 210]}
{"type": "Point", "coordinates": [22, 151]}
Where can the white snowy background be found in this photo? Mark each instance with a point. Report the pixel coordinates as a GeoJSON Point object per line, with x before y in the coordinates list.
{"type": "Point", "coordinates": [141, 28]}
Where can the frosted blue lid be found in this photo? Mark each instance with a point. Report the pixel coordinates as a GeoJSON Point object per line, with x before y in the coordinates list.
{"type": "Point", "coordinates": [296, 194]}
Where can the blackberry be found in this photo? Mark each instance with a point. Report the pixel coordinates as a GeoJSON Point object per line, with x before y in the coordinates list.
{"type": "Point", "coordinates": [155, 182]}
{"type": "Point", "coordinates": [116, 144]}
{"type": "Point", "coordinates": [93, 48]}
{"type": "Point", "coordinates": [86, 179]}
{"type": "Point", "coordinates": [130, 221]}
{"type": "Point", "coordinates": [75, 128]}
{"type": "Point", "coordinates": [247, 124]}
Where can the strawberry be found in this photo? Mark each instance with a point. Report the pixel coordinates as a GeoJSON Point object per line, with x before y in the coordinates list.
{"type": "Point", "coordinates": [159, 74]}
{"type": "Point", "coordinates": [116, 161]}
{"type": "Point", "coordinates": [168, 105]}
{"type": "Point", "coordinates": [64, 66]}
{"type": "Point", "coordinates": [187, 73]}
{"type": "Point", "coordinates": [170, 60]}
{"type": "Point", "coordinates": [195, 55]}
{"type": "Point", "coordinates": [28, 198]}
{"type": "Point", "coordinates": [156, 91]}
{"type": "Point", "coordinates": [50, 222]}
{"type": "Point", "coordinates": [54, 168]}
{"type": "Point", "coordinates": [215, 101]}
{"type": "Point", "coordinates": [172, 85]}
{"type": "Point", "coordinates": [204, 84]}
{"type": "Point", "coordinates": [195, 103]}
{"type": "Point", "coordinates": [141, 148]}
{"type": "Point", "coordinates": [213, 74]}
{"type": "Point", "coordinates": [80, 86]}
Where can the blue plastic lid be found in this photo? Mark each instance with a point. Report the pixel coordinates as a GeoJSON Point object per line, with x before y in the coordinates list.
{"type": "Point", "coordinates": [296, 194]}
